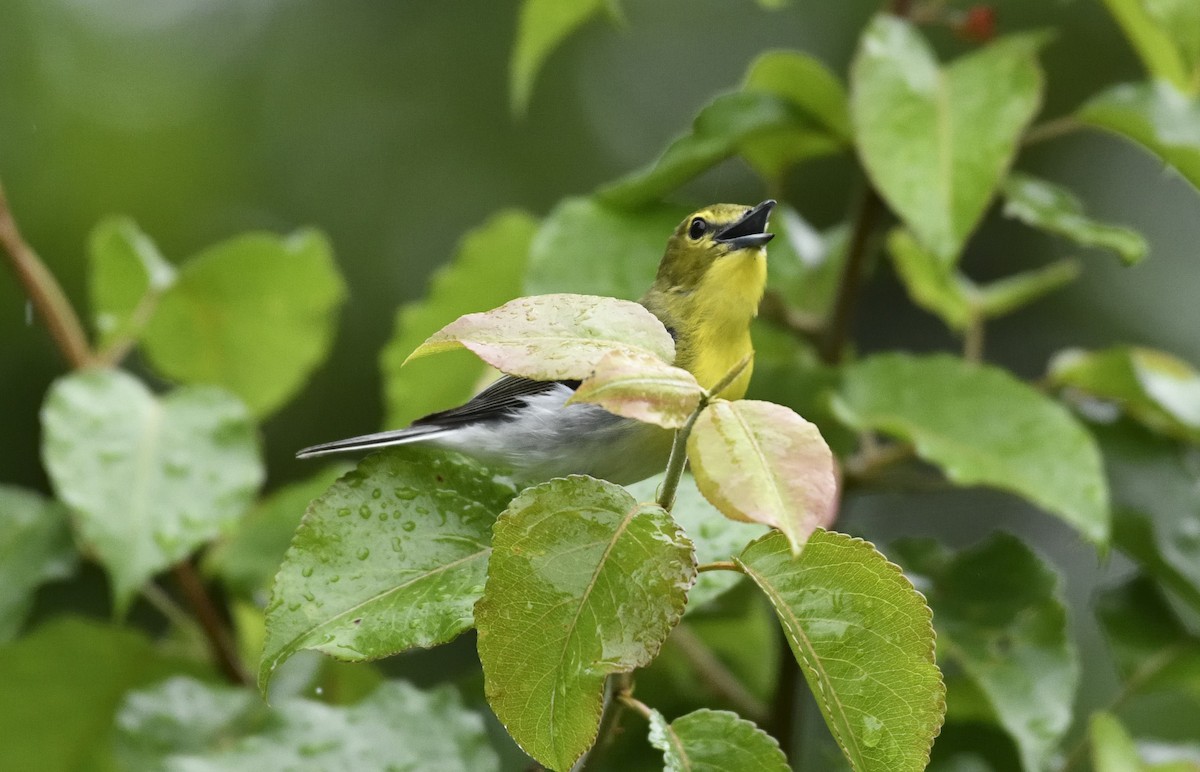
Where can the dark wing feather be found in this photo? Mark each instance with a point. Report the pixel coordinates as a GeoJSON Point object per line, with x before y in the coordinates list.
{"type": "Point", "coordinates": [498, 400]}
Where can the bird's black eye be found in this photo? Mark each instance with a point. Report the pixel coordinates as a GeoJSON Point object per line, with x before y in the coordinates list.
{"type": "Point", "coordinates": [697, 228]}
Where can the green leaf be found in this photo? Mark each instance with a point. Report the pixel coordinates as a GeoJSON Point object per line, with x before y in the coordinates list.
{"type": "Point", "coordinates": [391, 557]}
{"type": "Point", "coordinates": [641, 387]}
{"type": "Point", "coordinates": [864, 641]}
{"type": "Point", "coordinates": [1007, 634]}
{"type": "Point", "coordinates": [1155, 116]}
{"type": "Point", "coordinates": [1181, 20]}
{"type": "Point", "coordinates": [586, 246]}
{"type": "Point", "coordinates": [554, 337]}
{"type": "Point", "coordinates": [1153, 387]}
{"type": "Point", "coordinates": [931, 283]}
{"type": "Point", "coordinates": [820, 101]}
{"type": "Point", "coordinates": [715, 741]}
{"type": "Point", "coordinates": [1018, 290]}
{"type": "Point", "coordinates": [185, 725]}
{"type": "Point", "coordinates": [937, 141]}
{"type": "Point", "coordinates": [127, 276]}
{"type": "Point", "coordinates": [1153, 651]}
{"type": "Point", "coordinates": [714, 536]}
{"type": "Point", "coordinates": [583, 582]}
{"type": "Point", "coordinates": [1114, 750]}
{"type": "Point", "coordinates": [255, 314]}
{"type": "Point", "coordinates": [759, 462]}
{"type": "Point", "coordinates": [982, 426]}
{"type": "Point", "coordinates": [148, 480]}
{"type": "Point", "coordinates": [718, 131]}
{"type": "Point", "coordinates": [1151, 39]}
{"type": "Point", "coordinates": [35, 547]}
{"type": "Point", "coordinates": [1055, 209]}
{"type": "Point", "coordinates": [805, 265]}
{"type": "Point", "coordinates": [498, 250]}
{"type": "Point", "coordinates": [247, 561]}
{"type": "Point", "coordinates": [1154, 483]}
{"type": "Point", "coordinates": [542, 27]}
{"type": "Point", "coordinates": [62, 685]}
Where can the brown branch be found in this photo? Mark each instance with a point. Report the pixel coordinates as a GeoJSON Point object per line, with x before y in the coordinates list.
{"type": "Point", "coordinates": [870, 207]}
{"type": "Point", "coordinates": [44, 291]}
{"type": "Point", "coordinates": [219, 643]}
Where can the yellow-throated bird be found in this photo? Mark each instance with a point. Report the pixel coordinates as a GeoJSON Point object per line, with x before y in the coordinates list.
{"type": "Point", "coordinates": [707, 290]}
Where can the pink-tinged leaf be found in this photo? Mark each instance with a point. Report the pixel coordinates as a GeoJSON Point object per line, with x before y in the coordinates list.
{"type": "Point", "coordinates": [643, 388]}
{"type": "Point", "coordinates": [553, 337]}
{"type": "Point", "coordinates": [760, 462]}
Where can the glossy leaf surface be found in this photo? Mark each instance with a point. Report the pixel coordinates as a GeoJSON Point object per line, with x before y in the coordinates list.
{"type": "Point", "coordinates": [583, 582]}
{"type": "Point", "coordinates": [759, 462]}
{"type": "Point", "coordinates": [643, 388]}
{"type": "Point", "coordinates": [553, 337]}
{"type": "Point", "coordinates": [391, 557]}
{"type": "Point", "coordinates": [864, 641]}
{"type": "Point", "coordinates": [497, 249]}
{"type": "Point", "coordinates": [147, 479]}
{"type": "Point", "coordinates": [937, 141]}
{"type": "Point", "coordinates": [255, 314]}
{"type": "Point", "coordinates": [982, 426]}
{"type": "Point", "coordinates": [715, 741]}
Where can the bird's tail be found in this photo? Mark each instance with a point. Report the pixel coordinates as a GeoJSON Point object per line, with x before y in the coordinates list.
{"type": "Point", "coordinates": [373, 441]}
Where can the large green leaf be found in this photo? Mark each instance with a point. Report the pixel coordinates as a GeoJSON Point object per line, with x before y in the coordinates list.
{"type": "Point", "coordinates": [127, 276]}
{"type": "Point", "coordinates": [247, 561]}
{"type": "Point", "coordinates": [391, 557]}
{"type": "Point", "coordinates": [718, 131]}
{"type": "Point", "coordinates": [498, 250]}
{"type": "Point", "coordinates": [982, 427]}
{"type": "Point", "coordinates": [255, 314]}
{"type": "Point", "coordinates": [62, 685]}
{"type": "Point", "coordinates": [1156, 116]}
{"type": "Point", "coordinates": [715, 741]}
{"type": "Point", "coordinates": [1154, 483]}
{"type": "Point", "coordinates": [1152, 39]}
{"type": "Point", "coordinates": [863, 638]}
{"type": "Point", "coordinates": [583, 582]}
{"type": "Point", "coordinates": [184, 725]}
{"type": "Point", "coordinates": [1153, 651]}
{"type": "Point", "coordinates": [1154, 388]}
{"type": "Point", "coordinates": [937, 141]}
{"type": "Point", "coordinates": [552, 337]}
{"type": "Point", "coordinates": [35, 547]}
{"type": "Point", "coordinates": [714, 536]}
{"type": "Point", "coordinates": [149, 480]}
{"type": "Point", "coordinates": [1055, 209]}
{"type": "Point", "coordinates": [541, 28]}
{"type": "Point", "coordinates": [819, 98]}
{"type": "Point", "coordinates": [644, 388]}
{"type": "Point", "coordinates": [586, 246]}
{"type": "Point", "coordinates": [759, 462]}
{"type": "Point", "coordinates": [1008, 634]}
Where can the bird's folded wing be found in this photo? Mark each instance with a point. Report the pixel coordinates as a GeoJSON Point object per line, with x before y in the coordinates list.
{"type": "Point", "coordinates": [499, 400]}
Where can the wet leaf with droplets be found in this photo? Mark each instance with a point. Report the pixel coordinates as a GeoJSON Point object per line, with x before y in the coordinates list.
{"type": "Point", "coordinates": [147, 480]}
{"type": "Point", "coordinates": [759, 462]}
{"type": "Point", "coordinates": [367, 575]}
{"type": "Point", "coordinates": [864, 641]}
{"type": "Point", "coordinates": [1007, 634]}
{"type": "Point", "coordinates": [584, 582]}
{"type": "Point", "coordinates": [186, 725]}
{"type": "Point", "coordinates": [715, 740]}
{"type": "Point", "coordinates": [552, 337]}
{"type": "Point", "coordinates": [641, 387]}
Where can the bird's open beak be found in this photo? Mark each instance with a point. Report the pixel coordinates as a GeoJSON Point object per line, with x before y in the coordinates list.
{"type": "Point", "coordinates": [750, 231]}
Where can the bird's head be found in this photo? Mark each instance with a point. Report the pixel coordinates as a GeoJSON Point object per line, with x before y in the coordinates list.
{"type": "Point", "coordinates": [714, 239]}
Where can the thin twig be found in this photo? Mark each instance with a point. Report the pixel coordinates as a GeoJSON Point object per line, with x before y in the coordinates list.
{"type": "Point", "coordinates": [220, 644]}
{"type": "Point", "coordinates": [635, 704]}
{"type": "Point", "coordinates": [718, 565]}
{"type": "Point", "coordinates": [1052, 129]}
{"type": "Point", "coordinates": [166, 605]}
{"type": "Point", "coordinates": [841, 321]}
{"type": "Point", "coordinates": [44, 291]}
{"type": "Point", "coordinates": [973, 338]}
{"type": "Point", "coordinates": [716, 676]}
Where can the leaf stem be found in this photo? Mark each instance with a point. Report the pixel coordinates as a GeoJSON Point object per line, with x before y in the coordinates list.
{"type": "Point", "coordinates": [44, 291]}
{"type": "Point", "coordinates": [837, 333]}
{"type": "Point", "coordinates": [1052, 129]}
{"type": "Point", "coordinates": [678, 458]}
{"type": "Point", "coordinates": [973, 339]}
{"type": "Point", "coordinates": [636, 705]}
{"type": "Point", "coordinates": [219, 642]}
{"type": "Point", "coordinates": [719, 565]}
{"type": "Point", "coordinates": [716, 676]}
